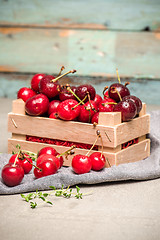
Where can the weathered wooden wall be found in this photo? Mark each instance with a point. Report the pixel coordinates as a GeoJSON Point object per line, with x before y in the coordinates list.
{"type": "Point", "coordinates": [95, 37]}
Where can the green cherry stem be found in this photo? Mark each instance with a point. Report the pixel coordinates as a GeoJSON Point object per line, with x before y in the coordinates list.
{"type": "Point", "coordinates": [56, 79]}
{"type": "Point", "coordinates": [70, 90]}
{"type": "Point", "coordinates": [68, 152]}
{"type": "Point", "coordinates": [14, 164]}
{"type": "Point", "coordinates": [118, 76]}
{"type": "Point", "coordinates": [82, 101]}
{"type": "Point", "coordinates": [32, 163]}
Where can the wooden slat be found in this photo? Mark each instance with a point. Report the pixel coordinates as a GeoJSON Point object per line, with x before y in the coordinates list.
{"type": "Point", "coordinates": [92, 53]}
{"type": "Point", "coordinates": [58, 129]}
{"type": "Point", "coordinates": [102, 14]}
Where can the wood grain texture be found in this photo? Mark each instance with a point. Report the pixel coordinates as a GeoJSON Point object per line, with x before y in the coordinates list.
{"type": "Point", "coordinates": [102, 14]}
{"type": "Point", "coordinates": [91, 53]}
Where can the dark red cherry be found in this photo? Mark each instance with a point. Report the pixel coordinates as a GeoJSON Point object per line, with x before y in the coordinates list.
{"type": "Point", "coordinates": [53, 106]}
{"type": "Point", "coordinates": [95, 118]}
{"type": "Point", "coordinates": [120, 88]}
{"type": "Point", "coordinates": [65, 94]}
{"type": "Point", "coordinates": [68, 109]}
{"type": "Point", "coordinates": [136, 100]}
{"type": "Point", "coordinates": [87, 111]}
{"type": "Point", "coordinates": [82, 90]}
{"type": "Point", "coordinates": [25, 93]}
{"type": "Point", "coordinates": [35, 81]}
{"type": "Point", "coordinates": [37, 105]}
{"type": "Point", "coordinates": [48, 87]}
{"type": "Point", "coordinates": [107, 105]}
{"type": "Point", "coordinates": [97, 99]}
{"type": "Point", "coordinates": [127, 108]}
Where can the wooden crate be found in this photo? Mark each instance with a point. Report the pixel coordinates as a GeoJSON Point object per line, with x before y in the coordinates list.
{"type": "Point", "coordinates": [114, 133]}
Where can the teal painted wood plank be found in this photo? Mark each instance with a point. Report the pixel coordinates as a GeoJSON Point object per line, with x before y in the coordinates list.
{"type": "Point", "coordinates": [111, 14]}
{"type": "Point", "coordinates": [148, 91]}
{"type": "Point", "coordinates": [91, 52]}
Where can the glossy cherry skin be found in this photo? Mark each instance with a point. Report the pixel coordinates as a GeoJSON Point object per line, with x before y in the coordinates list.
{"type": "Point", "coordinates": [106, 105]}
{"type": "Point", "coordinates": [54, 115]}
{"type": "Point", "coordinates": [47, 150]}
{"type": "Point", "coordinates": [81, 164]}
{"type": "Point", "coordinates": [25, 161]}
{"type": "Point", "coordinates": [67, 111]}
{"type": "Point", "coordinates": [82, 90]}
{"type": "Point", "coordinates": [122, 89]}
{"type": "Point", "coordinates": [50, 157]}
{"type": "Point", "coordinates": [127, 108]}
{"type": "Point", "coordinates": [61, 160]}
{"type": "Point", "coordinates": [136, 100]}
{"type": "Point", "coordinates": [12, 175]}
{"type": "Point", "coordinates": [87, 111]}
{"type": "Point", "coordinates": [98, 161]}
{"type": "Point", "coordinates": [106, 95]}
{"type": "Point", "coordinates": [48, 87]}
{"type": "Point", "coordinates": [37, 105]}
{"type": "Point", "coordinates": [95, 118]}
{"type": "Point", "coordinates": [25, 93]}
{"type": "Point", "coordinates": [35, 81]}
{"type": "Point", "coordinates": [46, 168]}
{"type": "Point", "coordinates": [97, 99]}
{"type": "Point", "coordinates": [65, 94]}
{"type": "Point", "coordinates": [53, 106]}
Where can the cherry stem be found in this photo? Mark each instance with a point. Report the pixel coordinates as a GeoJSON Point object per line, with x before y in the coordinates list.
{"type": "Point", "coordinates": [70, 90]}
{"type": "Point", "coordinates": [14, 164]}
{"type": "Point", "coordinates": [62, 68]}
{"type": "Point", "coordinates": [120, 98]}
{"type": "Point", "coordinates": [106, 88]}
{"type": "Point", "coordinates": [79, 103]}
{"type": "Point", "coordinates": [109, 103]}
{"type": "Point", "coordinates": [32, 163]}
{"type": "Point", "coordinates": [56, 79]}
{"type": "Point", "coordinates": [98, 135]}
{"type": "Point", "coordinates": [118, 76]}
{"type": "Point", "coordinates": [127, 83]}
{"type": "Point", "coordinates": [68, 152]}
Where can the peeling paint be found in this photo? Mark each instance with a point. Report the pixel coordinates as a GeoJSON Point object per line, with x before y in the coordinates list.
{"type": "Point", "coordinates": [12, 30]}
{"type": "Point", "coordinates": [4, 68]}
{"type": "Point", "coordinates": [66, 33]}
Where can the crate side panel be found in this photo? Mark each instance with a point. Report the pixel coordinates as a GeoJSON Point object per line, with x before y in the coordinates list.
{"type": "Point", "coordinates": [134, 153]}
{"type": "Point", "coordinates": [58, 129]}
{"type": "Point", "coordinates": [132, 129]}
{"type": "Point", "coordinates": [35, 147]}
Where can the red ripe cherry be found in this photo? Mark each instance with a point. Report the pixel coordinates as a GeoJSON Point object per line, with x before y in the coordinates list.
{"type": "Point", "coordinates": [106, 95]}
{"type": "Point", "coordinates": [68, 109]}
{"type": "Point", "coordinates": [136, 100]}
{"type": "Point", "coordinates": [120, 88]}
{"type": "Point", "coordinates": [106, 105]}
{"type": "Point", "coordinates": [53, 106]}
{"type": "Point", "coordinates": [12, 174]}
{"type": "Point", "coordinates": [127, 108]}
{"type": "Point", "coordinates": [46, 168]}
{"type": "Point", "coordinates": [82, 91]}
{"type": "Point", "coordinates": [60, 159]}
{"type": "Point", "coordinates": [95, 118]}
{"type": "Point", "coordinates": [47, 150]}
{"type": "Point", "coordinates": [24, 160]}
{"type": "Point", "coordinates": [25, 93]}
{"type": "Point", "coordinates": [87, 111]}
{"type": "Point", "coordinates": [50, 157]}
{"type": "Point", "coordinates": [53, 115]}
{"type": "Point", "coordinates": [81, 164]}
{"type": "Point", "coordinates": [48, 87]}
{"type": "Point", "coordinates": [97, 99]}
{"type": "Point", "coordinates": [37, 105]}
{"type": "Point", "coordinates": [98, 161]}
{"type": "Point", "coordinates": [35, 81]}
{"type": "Point", "coordinates": [65, 94]}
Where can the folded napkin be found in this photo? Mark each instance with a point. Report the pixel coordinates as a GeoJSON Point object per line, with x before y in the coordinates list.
{"type": "Point", "coordinates": [148, 168]}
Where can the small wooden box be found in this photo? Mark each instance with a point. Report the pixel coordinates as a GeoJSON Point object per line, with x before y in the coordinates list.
{"type": "Point", "coordinates": [114, 133]}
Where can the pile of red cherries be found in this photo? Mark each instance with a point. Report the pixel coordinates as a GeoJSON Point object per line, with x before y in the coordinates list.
{"type": "Point", "coordinates": [46, 97]}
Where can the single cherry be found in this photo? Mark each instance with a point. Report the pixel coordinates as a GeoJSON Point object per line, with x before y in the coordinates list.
{"type": "Point", "coordinates": [107, 105]}
{"type": "Point", "coordinates": [37, 105]}
{"type": "Point", "coordinates": [65, 94]}
{"type": "Point", "coordinates": [12, 174]}
{"type": "Point", "coordinates": [95, 118]}
{"type": "Point", "coordinates": [87, 111]}
{"type": "Point", "coordinates": [25, 93]}
{"type": "Point", "coordinates": [47, 150]}
{"type": "Point", "coordinates": [81, 164]}
{"type": "Point", "coordinates": [45, 168]}
{"type": "Point", "coordinates": [35, 81]}
{"type": "Point", "coordinates": [98, 161]}
{"type": "Point", "coordinates": [117, 91]}
{"type": "Point", "coordinates": [50, 157]}
{"type": "Point", "coordinates": [24, 160]}
{"type": "Point", "coordinates": [97, 99]}
{"type": "Point", "coordinates": [127, 108]}
{"type": "Point", "coordinates": [68, 109]}
{"type": "Point", "coordinates": [48, 87]}
{"type": "Point", "coordinates": [82, 91]}
{"type": "Point", "coordinates": [53, 106]}
{"type": "Point", "coordinates": [61, 160]}
{"type": "Point", "coordinates": [136, 100]}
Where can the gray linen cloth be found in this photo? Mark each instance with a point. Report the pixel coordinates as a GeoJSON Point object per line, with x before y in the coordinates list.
{"type": "Point", "coordinates": [146, 169]}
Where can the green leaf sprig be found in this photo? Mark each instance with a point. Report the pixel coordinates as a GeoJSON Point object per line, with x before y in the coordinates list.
{"type": "Point", "coordinates": [66, 193]}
